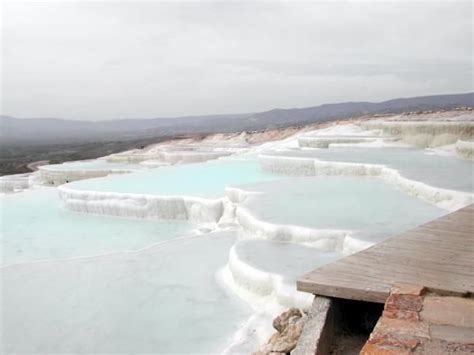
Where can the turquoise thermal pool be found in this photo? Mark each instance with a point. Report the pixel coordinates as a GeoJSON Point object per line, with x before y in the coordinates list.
{"type": "Point", "coordinates": [367, 206]}
{"type": "Point", "coordinates": [288, 260]}
{"type": "Point", "coordinates": [199, 257]}
{"type": "Point", "coordinates": [207, 179]}
{"type": "Point", "coordinates": [439, 171]}
{"type": "Point", "coordinates": [35, 226]}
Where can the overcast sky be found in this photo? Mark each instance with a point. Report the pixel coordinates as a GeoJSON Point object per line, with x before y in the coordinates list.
{"type": "Point", "coordinates": [103, 60]}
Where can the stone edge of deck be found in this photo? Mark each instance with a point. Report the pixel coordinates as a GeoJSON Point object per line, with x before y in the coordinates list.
{"type": "Point", "coordinates": [317, 332]}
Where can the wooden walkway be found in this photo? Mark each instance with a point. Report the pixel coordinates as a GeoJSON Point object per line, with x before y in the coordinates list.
{"type": "Point", "coordinates": [438, 255]}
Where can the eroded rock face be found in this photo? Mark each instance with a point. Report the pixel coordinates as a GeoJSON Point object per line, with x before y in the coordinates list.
{"type": "Point", "coordinates": [282, 321]}
{"type": "Point", "coordinates": [289, 326]}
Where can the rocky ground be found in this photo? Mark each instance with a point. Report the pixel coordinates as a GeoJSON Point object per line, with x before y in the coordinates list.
{"type": "Point", "coordinates": [289, 326]}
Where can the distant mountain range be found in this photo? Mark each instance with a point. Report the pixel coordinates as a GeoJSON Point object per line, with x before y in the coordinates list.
{"type": "Point", "coordinates": [37, 131]}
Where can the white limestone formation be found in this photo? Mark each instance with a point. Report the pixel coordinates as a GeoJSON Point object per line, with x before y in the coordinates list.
{"type": "Point", "coordinates": [130, 158]}
{"type": "Point", "coordinates": [424, 133]}
{"type": "Point", "coordinates": [153, 163]}
{"type": "Point", "coordinates": [327, 240]}
{"type": "Point", "coordinates": [443, 198]}
{"type": "Point", "coordinates": [175, 157]}
{"type": "Point", "coordinates": [247, 273]}
{"type": "Point", "coordinates": [465, 149]}
{"type": "Point", "coordinates": [326, 141]}
{"type": "Point", "coordinates": [12, 183]}
{"type": "Point", "coordinates": [255, 283]}
{"type": "Point", "coordinates": [172, 154]}
{"type": "Point", "coordinates": [143, 206]}
{"type": "Point", "coordinates": [51, 175]}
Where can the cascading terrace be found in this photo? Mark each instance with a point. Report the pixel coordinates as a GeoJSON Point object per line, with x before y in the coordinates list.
{"type": "Point", "coordinates": [253, 221]}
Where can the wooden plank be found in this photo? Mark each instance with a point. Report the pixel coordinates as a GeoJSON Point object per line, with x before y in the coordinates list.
{"type": "Point", "coordinates": [438, 255]}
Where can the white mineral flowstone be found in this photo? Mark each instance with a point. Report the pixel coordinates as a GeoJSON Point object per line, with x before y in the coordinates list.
{"type": "Point", "coordinates": [153, 163]}
{"type": "Point", "coordinates": [59, 174]}
{"type": "Point", "coordinates": [465, 149]}
{"type": "Point", "coordinates": [349, 129]}
{"type": "Point", "coordinates": [450, 200]}
{"type": "Point", "coordinates": [35, 226]}
{"type": "Point", "coordinates": [238, 194]}
{"type": "Point", "coordinates": [175, 157]}
{"type": "Point", "coordinates": [354, 245]}
{"type": "Point", "coordinates": [131, 157]}
{"type": "Point", "coordinates": [425, 133]}
{"type": "Point", "coordinates": [17, 182]}
{"type": "Point", "coordinates": [195, 209]}
{"type": "Point", "coordinates": [327, 141]}
{"type": "Point", "coordinates": [264, 272]}
{"type": "Point", "coordinates": [171, 154]}
{"type": "Point", "coordinates": [55, 178]}
{"type": "Point", "coordinates": [322, 239]}
{"type": "Point", "coordinates": [376, 143]}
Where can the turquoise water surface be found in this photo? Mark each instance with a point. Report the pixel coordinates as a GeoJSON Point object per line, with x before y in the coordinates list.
{"type": "Point", "coordinates": [207, 179]}
{"type": "Point", "coordinates": [35, 226]}
{"type": "Point", "coordinates": [366, 205]}
{"type": "Point", "coordinates": [416, 164]}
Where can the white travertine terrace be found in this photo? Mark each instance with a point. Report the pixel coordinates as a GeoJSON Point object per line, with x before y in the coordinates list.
{"type": "Point", "coordinates": [322, 239]}
{"type": "Point", "coordinates": [173, 154]}
{"type": "Point", "coordinates": [242, 273]}
{"type": "Point", "coordinates": [130, 158]}
{"type": "Point", "coordinates": [424, 133]}
{"type": "Point", "coordinates": [327, 240]}
{"type": "Point", "coordinates": [262, 283]}
{"type": "Point", "coordinates": [221, 211]}
{"type": "Point", "coordinates": [153, 163]}
{"type": "Point", "coordinates": [195, 209]}
{"type": "Point", "coordinates": [64, 173]}
{"type": "Point", "coordinates": [229, 211]}
{"type": "Point", "coordinates": [465, 149]}
{"type": "Point", "coordinates": [11, 183]}
{"type": "Point", "coordinates": [175, 157]}
{"type": "Point", "coordinates": [326, 141]}
{"type": "Point", "coordinates": [54, 176]}
{"type": "Point", "coordinates": [443, 198]}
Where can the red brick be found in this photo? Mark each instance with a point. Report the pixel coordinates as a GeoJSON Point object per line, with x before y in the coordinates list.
{"type": "Point", "coordinates": [407, 289]}
{"type": "Point", "coordinates": [402, 327]}
{"type": "Point", "coordinates": [404, 302]}
{"type": "Point", "coordinates": [390, 340]}
{"type": "Point", "coordinates": [401, 314]}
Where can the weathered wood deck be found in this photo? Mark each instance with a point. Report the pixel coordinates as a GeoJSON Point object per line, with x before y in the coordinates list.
{"type": "Point", "coordinates": [438, 255]}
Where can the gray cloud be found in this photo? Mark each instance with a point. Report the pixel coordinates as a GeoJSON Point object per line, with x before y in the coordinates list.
{"type": "Point", "coordinates": [100, 60]}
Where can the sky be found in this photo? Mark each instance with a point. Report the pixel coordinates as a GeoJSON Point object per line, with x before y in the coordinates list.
{"type": "Point", "coordinates": [96, 60]}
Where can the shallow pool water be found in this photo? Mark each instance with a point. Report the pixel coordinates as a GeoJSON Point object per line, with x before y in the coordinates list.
{"type": "Point", "coordinates": [35, 226]}
{"type": "Point", "coordinates": [366, 205]}
{"type": "Point", "coordinates": [207, 179]}
{"type": "Point", "coordinates": [79, 283]}
{"type": "Point", "coordinates": [416, 164]}
{"type": "Point", "coordinates": [161, 300]}
{"type": "Point", "coordinates": [288, 260]}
